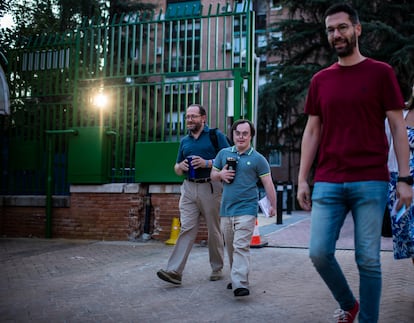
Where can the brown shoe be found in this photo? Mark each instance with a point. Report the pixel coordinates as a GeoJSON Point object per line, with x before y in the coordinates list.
{"type": "Point", "coordinates": [216, 275]}
{"type": "Point", "coordinates": [169, 276]}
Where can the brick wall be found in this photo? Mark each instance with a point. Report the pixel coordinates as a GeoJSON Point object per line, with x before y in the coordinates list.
{"type": "Point", "coordinates": [104, 212]}
{"type": "Point", "coordinates": [165, 208]}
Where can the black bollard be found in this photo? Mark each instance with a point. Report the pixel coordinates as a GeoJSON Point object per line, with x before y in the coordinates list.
{"type": "Point", "coordinates": [279, 206]}
{"type": "Point", "coordinates": [289, 199]}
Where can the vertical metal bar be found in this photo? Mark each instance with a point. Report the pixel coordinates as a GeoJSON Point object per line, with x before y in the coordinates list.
{"type": "Point", "coordinates": [98, 48]}
{"type": "Point", "coordinates": [91, 48]}
{"type": "Point", "coordinates": [155, 44]}
{"type": "Point", "coordinates": [148, 47]}
{"type": "Point", "coordinates": [76, 70]}
{"type": "Point", "coordinates": [140, 121]}
{"type": "Point", "coordinates": [208, 37]}
{"type": "Point", "coordinates": [171, 111]}
{"type": "Point", "coordinates": [200, 68]}
{"type": "Point", "coordinates": [49, 186]}
{"type": "Point", "coordinates": [163, 29]}
{"type": "Point", "coordinates": [134, 57]}
{"type": "Point", "coordinates": [155, 109]}
{"type": "Point", "coordinates": [126, 49]}
{"type": "Point", "coordinates": [147, 114]}
{"type": "Point", "coordinates": [119, 49]}
{"type": "Point", "coordinates": [170, 46]}
{"type": "Point", "coordinates": [105, 53]}
{"type": "Point", "coordinates": [133, 131]}
{"type": "Point", "coordinates": [178, 48]}
{"type": "Point", "coordinates": [224, 42]}
{"type": "Point", "coordinates": [183, 57]}
{"type": "Point", "coordinates": [117, 95]}
{"type": "Point", "coordinates": [125, 129]}
{"type": "Point", "coordinates": [163, 107]}
{"type": "Point", "coordinates": [216, 41]}
{"type": "Point", "coordinates": [141, 41]}
{"type": "Point", "coordinates": [193, 41]}
{"type": "Point", "coordinates": [250, 65]}
{"type": "Point", "coordinates": [112, 49]}
{"type": "Point", "coordinates": [217, 104]}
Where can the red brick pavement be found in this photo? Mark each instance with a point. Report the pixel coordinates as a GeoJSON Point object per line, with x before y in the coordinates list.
{"type": "Point", "coordinates": [96, 281]}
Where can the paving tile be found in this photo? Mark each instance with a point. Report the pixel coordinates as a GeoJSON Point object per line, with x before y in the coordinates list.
{"type": "Point", "coordinates": [93, 281]}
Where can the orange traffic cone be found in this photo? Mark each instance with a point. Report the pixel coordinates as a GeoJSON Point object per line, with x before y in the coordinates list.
{"type": "Point", "coordinates": [175, 230]}
{"type": "Point", "coordinates": [256, 241]}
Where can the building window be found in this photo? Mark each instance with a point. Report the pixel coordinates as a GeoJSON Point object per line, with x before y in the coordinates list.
{"type": "Point", "coordinates": [179, 8]}
{"type": "Point", "coordinates": [175, 122]}
{"type": "Point", "coordinates": [275, 158]}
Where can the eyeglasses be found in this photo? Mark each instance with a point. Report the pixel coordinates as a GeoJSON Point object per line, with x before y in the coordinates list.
{"type": "Point", "coordinates": [192, 116]}
{"type": "Point", "coordinates": [243, 134]}
{"type": "Point", "coordinates": [342, 29]}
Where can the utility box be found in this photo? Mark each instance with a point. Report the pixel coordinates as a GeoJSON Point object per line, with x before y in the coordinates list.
{"type": "Point", "coordinates": [154, 162]}
{"type": "Point", "coordinates": [89, 156]}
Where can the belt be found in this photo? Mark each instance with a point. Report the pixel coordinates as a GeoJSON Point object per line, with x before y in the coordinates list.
{"type": "Point", "coordinates": [199, 180]}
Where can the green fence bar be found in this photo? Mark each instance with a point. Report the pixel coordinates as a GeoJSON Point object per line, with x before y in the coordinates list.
{"type": "Point", "coordinates": [147, 68]}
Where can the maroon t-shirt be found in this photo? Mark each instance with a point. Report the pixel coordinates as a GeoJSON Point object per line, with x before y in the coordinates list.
{"type": "Point", "coordinates": [351, 102]}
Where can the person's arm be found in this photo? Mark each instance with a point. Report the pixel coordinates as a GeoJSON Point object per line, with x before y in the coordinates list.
{"type": "Point", "coordinates": [225, 174]}
{"type": "Point", "coordinates": [270, 192]}
{"type": "Point", "coordinates": [401, 148]}
{"type": "Point", "coordinates": [221, 174]}
{"type": "Point", "coordinates": [181, 167]}
{"type": "Point", "coordinates": [309, 147]}
{"type": "Point", "coordinates": [215, 174]}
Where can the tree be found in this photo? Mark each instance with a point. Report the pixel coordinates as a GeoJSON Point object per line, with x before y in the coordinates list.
{"type": "Point", "coordinates": [37, 17]}
{"type": "Point", "coordinates": [387, 35]}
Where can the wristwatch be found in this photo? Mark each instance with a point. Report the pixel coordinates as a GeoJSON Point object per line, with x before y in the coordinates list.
{"type": "Point", "coordinates": [406, 179]}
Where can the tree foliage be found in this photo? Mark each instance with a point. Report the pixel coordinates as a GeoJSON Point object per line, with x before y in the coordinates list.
{"type": "Point", "coordinates": [387, 35]}
{"type": "Point", "coordinates": [36, 17]}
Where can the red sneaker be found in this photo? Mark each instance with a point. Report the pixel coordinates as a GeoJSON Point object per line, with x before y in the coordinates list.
{"type": "Point", "coordinates": [347, 316]}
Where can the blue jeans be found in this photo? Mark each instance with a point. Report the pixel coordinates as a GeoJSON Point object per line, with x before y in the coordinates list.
{"type": "Point", "coordinates": [331, 202]}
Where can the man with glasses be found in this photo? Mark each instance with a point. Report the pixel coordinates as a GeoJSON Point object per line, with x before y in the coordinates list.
{"type": "Point", "coordinates": [239, 204]}
{"type": "Point", "coordinates": [347, 104]}
{"type": "Point", "coordinates": [200, 197]}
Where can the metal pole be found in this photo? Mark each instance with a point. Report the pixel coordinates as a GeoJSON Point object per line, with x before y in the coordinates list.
{"type": "Point", "coordinates": [256, 96]}
{"type": "Point", "coordinates": [279, 206]}
{"type": "Point", "coordinates": [49, 187]}
{"type": "Point", "coordinates": [289, 198]}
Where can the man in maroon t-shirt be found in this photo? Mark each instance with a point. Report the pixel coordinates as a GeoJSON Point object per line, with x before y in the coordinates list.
{"type": "Point", "coordinates": [347, 104]}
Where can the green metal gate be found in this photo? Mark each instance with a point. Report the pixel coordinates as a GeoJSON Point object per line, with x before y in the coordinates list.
{"type": "Point", "coordinates": [119, 87]}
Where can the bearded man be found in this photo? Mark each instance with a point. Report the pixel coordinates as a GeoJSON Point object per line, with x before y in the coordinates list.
{"type": "Point", "coordinates": [200, 197]}
{"type": "Point", "coordinates": [347, 104]}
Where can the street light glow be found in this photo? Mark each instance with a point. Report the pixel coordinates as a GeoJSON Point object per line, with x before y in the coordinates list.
{"type": "Point", "coordinates": [100, 100]}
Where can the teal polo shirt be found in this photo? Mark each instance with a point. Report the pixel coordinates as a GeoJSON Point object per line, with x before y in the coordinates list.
{"type": "Point", "coordinates": [241, 196]}
{"type": "Point", "coordinates": [203, 147]}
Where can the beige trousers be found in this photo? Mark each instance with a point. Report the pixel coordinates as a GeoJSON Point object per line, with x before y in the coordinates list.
{"type": "Point", "coordinates": [238, 232]}
{"type": "Point", "coordinates": [198, 200]}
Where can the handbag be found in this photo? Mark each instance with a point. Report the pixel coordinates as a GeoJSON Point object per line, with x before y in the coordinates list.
{"type": "Point", "coordinates": [403, 234]}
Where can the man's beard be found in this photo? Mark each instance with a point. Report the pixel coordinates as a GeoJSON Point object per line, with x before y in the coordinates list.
{"type": "Point", "coordinates": [348, 50]}
{"type": "Point", "coordinates": [196, 127]}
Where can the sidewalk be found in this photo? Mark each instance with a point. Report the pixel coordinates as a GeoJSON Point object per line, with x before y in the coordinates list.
{"type": "Point", "coordinates": [96, 281]}
{"type": "Point", "coordinates": [298, 235]}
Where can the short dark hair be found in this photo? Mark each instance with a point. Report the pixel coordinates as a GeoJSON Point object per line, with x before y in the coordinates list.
{"type": "Point", "coordinates": [201, 110]}
{"type": "Point", "coordinates": [240, 121]}
{"type": "Point", "coordinates": [343, 7]}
